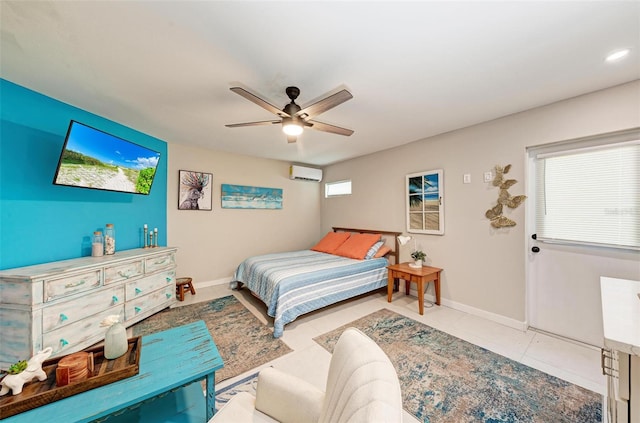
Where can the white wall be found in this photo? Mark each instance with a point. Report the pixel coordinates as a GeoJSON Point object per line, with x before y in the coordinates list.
{"type": "Point", "coordinates": [211, 244]}
{"type": "Point", "coordinates": [484, 268]}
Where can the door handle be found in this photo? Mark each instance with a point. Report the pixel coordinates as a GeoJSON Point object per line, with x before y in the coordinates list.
{"type": "Point", "coordinates": [535, 249]}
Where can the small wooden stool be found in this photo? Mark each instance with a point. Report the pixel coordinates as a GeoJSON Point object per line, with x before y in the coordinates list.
{"type": "Point", "coordinates": [183, 284]}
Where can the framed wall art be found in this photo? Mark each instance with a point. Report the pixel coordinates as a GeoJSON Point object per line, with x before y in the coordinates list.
{"type": "Point", "coordinates": [424, 195]}
{"type": "Point", "coordinates": [244, 197]}
{"type": "Point", "coordinates": [195, 190]}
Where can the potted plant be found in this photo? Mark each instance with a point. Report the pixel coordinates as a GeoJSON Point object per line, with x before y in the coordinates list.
{"type": "Point", "coordinates": [418, 257]}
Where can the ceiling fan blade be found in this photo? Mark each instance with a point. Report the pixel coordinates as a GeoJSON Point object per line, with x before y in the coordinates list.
{"type": "Point", "coordinates": [260, 102]}
{"type": "Point", "coordinates": [262, 122]}
{"type": "Point", "coordinates": [326, 127]}
{"type": "Point", "coordinates": [324, 104]}
{"type": "Point", "coordinates": [291, 139]}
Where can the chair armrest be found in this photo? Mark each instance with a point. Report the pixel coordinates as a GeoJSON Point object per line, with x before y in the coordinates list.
{"type": "Point", "coordinates": [287, 398]}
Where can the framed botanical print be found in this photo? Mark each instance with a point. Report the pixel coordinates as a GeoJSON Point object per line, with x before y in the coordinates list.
{"type": "Point", "coordinates": [195, 190]}
{"type": "Point", "coordinates": [425, 202]}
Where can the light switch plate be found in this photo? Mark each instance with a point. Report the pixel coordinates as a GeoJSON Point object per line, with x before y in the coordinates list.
{"type": "Point", "coordinates": [466, 178]}
{"type": "Point", "coordinates": [488, 176]}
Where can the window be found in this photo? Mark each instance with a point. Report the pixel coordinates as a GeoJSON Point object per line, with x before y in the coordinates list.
{"type": "Point", "coordinates": [333, 189]}
{"type": "Point", "coordinates": [590, 195]}
{"type": "Point", "coordinates": [425, 210]}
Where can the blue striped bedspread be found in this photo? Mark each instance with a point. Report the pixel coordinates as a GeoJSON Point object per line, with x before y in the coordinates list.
{"type": "Point", "coordinates": [294, 283]}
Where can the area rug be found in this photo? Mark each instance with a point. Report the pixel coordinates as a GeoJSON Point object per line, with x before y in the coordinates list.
{"type": "Point", "coordinates": [246, 384]}
{"type": "Point", "coordinates": [446, 379]}
{"type": "Point", "coordinates": [242, 340]}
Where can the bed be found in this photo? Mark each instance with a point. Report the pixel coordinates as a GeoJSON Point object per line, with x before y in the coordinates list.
{"type": "Point", "coordinates": [295, 283]}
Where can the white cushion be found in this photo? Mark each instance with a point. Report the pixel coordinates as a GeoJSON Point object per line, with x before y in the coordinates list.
{"type": "Point", "coordinates": [241, 408]}
{"type": "Point", "coordinates": [362, 385]}
{"type": "Point", "coordinates": [287, 398]}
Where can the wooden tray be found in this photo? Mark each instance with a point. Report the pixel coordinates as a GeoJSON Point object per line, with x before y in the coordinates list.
{"type": "Point", "coordinates": [35, 393]}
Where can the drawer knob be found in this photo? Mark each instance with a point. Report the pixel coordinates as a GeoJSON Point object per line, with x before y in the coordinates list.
{"type": "Point", "coordinates": [138, 290]}
{"type": "Point", "coordinates": [138, 309]}
{"type": "Point", "coordinates": [169, 279]}
{"type": "Point", "coordinates": [63, 317]}
{"type": "Point", "coordinates": [115, 299]}
{"type": "Point", "coordinates": [64, 342]}
{"type": "Point", "coordinates": [168, 295]}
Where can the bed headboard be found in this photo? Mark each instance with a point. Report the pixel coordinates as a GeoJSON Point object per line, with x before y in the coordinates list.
{"type": "Point", "coordinates": [395, 252]}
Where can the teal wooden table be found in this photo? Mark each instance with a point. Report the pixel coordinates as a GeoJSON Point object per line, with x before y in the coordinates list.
{"type": "Point", "coordinates": [169, 360]}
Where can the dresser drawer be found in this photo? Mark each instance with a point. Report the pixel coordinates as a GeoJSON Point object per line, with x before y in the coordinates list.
{"type": "Point", "coordinates": [66, 313]}
{"type": "Point", "coordinates": [158, 262]}
{"type": "Point", "coordinates": [75, 336]}
{"type": "Point", "coordinates": [123, 271]}
{"type": "Point", "coordinates": [150, 303]}
{"type": "Point", "coordinates": [80, 282]}
{"type": "Point", "coordinates": [143, 286]}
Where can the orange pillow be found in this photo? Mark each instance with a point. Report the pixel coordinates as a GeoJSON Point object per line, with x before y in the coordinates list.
{"type": "Point", "coordinates": [331, 241]}
{"type": "Point", "coordinates": [357, 246]}
{"type": "Point", "coordinates": [382, 251]}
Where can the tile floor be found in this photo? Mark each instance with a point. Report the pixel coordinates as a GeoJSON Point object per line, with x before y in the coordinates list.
{"type": "Point", "coordinates": [568, 360]}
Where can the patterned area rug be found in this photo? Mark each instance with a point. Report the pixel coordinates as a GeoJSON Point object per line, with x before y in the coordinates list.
{"type": "Point", "coordinates": [242, 340]}
{"type": "Point", "coordinates": [446, 379]}
{"type": "Point", "coordinates": [246, 384]}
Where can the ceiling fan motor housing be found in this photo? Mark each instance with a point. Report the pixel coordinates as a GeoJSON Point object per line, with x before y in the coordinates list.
{"type": "Point", "coordinates": [292, 92]}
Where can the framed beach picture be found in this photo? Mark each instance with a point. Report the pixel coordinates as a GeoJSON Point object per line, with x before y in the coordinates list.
{"type": "Point", "coordinates": [245, 197]}
{"type": "Point", "coordinates": [424, 196]}
{"type": "Point", "coordinates": [195, 190]}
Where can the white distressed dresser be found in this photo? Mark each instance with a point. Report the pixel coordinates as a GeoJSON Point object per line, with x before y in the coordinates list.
{"type": "Point", "coordinates": [61, 304]}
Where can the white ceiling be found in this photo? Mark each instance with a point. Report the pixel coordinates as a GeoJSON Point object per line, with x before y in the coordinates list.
{"type": "Point", "coordinates": [415, 69]}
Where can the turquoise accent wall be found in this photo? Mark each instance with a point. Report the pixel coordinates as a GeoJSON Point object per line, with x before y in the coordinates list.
{"type": "Point", "coordinates": [41, 222]}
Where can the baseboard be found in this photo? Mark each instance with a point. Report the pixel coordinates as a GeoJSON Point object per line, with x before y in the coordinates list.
{"type": "Point", "coordinates": [506, 321]}
{"type": "Point", "coordinates": [216, 282]}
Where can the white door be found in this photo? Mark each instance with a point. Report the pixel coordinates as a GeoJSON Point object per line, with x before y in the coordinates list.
{"type": "Point", "coordinates": [563, 280]}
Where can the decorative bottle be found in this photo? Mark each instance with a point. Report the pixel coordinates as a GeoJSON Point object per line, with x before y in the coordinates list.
{"type": "Point", "coordinates": [97, 245]}
{"type": "Point", "coordinates": [109, 239]}
{"type": "Point", "coordinates": [115, 340]}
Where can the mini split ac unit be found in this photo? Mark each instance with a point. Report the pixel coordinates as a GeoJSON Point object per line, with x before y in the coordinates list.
{"type": "Point", "coordinates": [305, 173]}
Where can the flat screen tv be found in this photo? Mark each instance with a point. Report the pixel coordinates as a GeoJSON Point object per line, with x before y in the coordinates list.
{"type": "Point", "coordinates": [92, 158]}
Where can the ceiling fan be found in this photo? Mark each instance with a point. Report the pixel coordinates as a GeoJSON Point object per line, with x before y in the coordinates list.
{"type": "Point", "coordinates": [293, 117]}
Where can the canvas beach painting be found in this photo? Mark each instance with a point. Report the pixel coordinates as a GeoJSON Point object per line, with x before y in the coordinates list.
{"type": "Point", "coordinates": [195, 190]}
{"type": "Point", "coordinates": [246, 197]}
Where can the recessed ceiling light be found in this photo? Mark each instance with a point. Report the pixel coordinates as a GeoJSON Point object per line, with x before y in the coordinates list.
{"type": "Point", "coordinates": [617, 55]}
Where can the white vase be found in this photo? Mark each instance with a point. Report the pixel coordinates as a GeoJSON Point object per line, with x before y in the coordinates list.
{"type": "Point", "coordinates": [115, 341]}
{"type": "Point", "coordinates": [416, 263]}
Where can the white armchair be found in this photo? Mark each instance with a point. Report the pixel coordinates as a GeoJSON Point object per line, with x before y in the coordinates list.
{"type": "Point", "coordinates": [362, 386]}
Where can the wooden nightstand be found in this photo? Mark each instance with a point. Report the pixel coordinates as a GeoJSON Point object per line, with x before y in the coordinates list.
{"type": "Point", "coordinates": [417, 275]}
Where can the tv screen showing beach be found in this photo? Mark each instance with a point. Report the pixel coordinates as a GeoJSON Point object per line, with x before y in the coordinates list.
{"type": "Point", "coordinates": [94, 159]}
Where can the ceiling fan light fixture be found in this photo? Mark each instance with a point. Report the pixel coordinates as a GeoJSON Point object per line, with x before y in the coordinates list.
{"type": "Point", "coordinates": [291, 127]}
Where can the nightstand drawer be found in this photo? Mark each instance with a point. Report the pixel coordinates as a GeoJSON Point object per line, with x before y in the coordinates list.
{"type": "Point", "coordinates": [402, 275]}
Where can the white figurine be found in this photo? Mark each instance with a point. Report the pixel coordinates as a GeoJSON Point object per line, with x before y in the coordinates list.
{"type": "Point", "coordinates": [33, 370]}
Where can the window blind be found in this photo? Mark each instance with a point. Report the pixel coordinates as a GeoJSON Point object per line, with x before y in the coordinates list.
{"type": "Point", "coordinates": [590, 196]}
